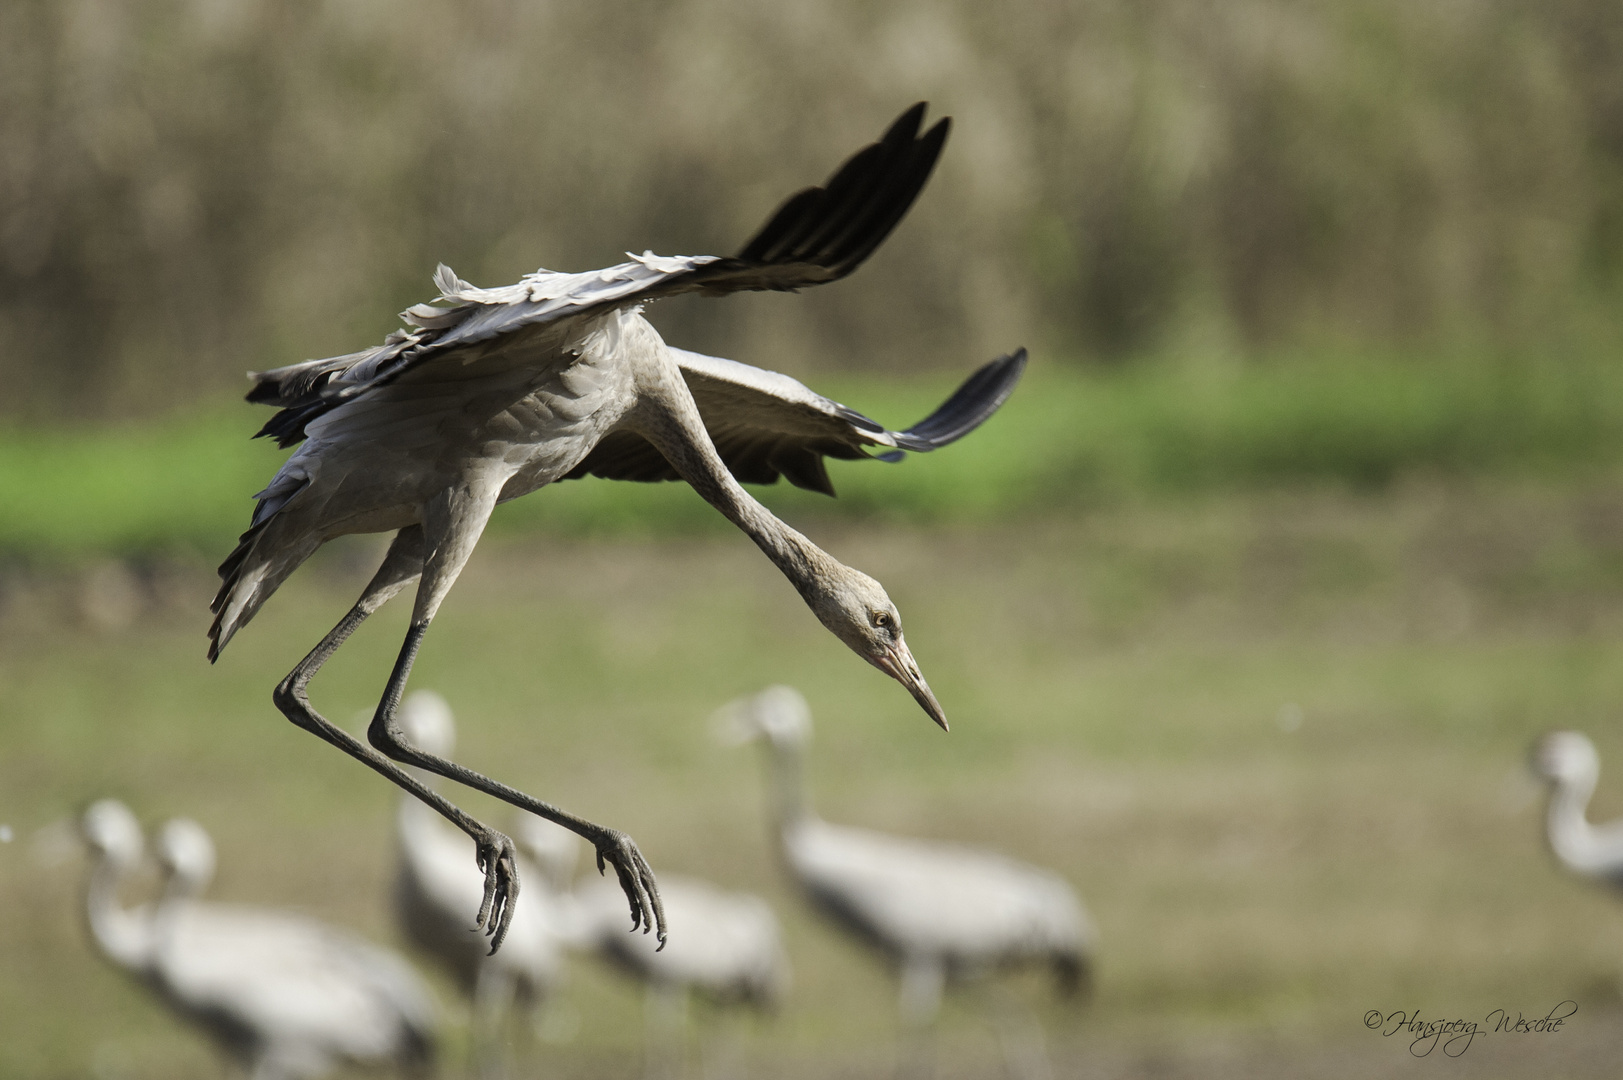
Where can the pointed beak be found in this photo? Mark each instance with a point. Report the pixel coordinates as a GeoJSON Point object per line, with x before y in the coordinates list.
{"type": "Point", "coordinates": [897, 662]}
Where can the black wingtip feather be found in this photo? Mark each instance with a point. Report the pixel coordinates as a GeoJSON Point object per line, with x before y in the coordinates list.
{"type": "Point", "coordinates": [881, 218]}
{"type": "Point", "coordinates": [980, 395]}
{"type": "Point", "coordinates": [867, 185]}
{"type": "Point", "coordinates": [837, 226]}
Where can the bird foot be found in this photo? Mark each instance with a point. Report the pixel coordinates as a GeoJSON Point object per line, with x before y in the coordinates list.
{"type": "Point", "coordinates": [636, 878]}
{"type": "Point", "coordinates": [498, 858]}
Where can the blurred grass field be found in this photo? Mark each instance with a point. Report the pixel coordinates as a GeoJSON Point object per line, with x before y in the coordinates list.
{"type": "Point", "coordinates": [1276, 739]}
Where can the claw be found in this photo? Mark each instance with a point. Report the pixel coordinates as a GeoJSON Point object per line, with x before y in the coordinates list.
{"type": "Point", "coordinates": [495, 855]}
{"type": "Point", "coordinates": [636, 880]}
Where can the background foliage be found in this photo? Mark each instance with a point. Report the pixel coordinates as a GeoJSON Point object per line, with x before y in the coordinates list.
{"type": "Point", "coordinates": [190, 188]}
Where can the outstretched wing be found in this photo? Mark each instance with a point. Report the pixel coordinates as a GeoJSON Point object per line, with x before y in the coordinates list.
{"type": "Point", "coordinates": [821, 234]}
{"type": "Point", "coordinates": [767, 425]}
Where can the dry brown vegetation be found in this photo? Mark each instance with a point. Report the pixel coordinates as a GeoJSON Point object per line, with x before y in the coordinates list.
{"type": "Point", "coordinates": [189, 188]}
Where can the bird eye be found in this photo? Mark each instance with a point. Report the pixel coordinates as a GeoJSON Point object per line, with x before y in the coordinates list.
{"type": "Point", "coordinates": [882, 620]}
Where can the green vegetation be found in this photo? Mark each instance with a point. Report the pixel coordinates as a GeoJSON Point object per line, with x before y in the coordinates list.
{"type": "Point", "coordinates": [1068, 439]}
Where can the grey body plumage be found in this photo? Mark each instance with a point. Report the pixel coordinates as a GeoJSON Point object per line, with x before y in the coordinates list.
{"type": "Point", "coordinates": [493, 393]}
{"type": "Point", "coordinates": [937, 911]}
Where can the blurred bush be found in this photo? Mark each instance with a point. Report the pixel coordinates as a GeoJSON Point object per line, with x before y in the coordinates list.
{"type": "Point", "coordinates": [191, 188]}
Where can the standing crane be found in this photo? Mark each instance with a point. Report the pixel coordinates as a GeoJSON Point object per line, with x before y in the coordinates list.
{"type": "Point", "coordinates": [285, 996]}
{"type": "Point", "coordinates": [728, 950]}
{"type": "Point", "coordinates": [1568, 762]}
{"type": "Point", "coordinates": [494, 393]}
{"type": "Point", "coordinates": [936, 911]}
{"type": "Point", "coordinates": [437, 889]}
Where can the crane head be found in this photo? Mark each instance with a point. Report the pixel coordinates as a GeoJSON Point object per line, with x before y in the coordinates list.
{"type": "Point", "coordinates": [778, 712]}
{"type": "Point", "coordinates": [1566, 756]}
{"type": "Point", "coordinates": [112, 832]}
{"type": "Point", "coordinates": [187, 854]}
{"type": "Point", "coordinates": [856, 609]}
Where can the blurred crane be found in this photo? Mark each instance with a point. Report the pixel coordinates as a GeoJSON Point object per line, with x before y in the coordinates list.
{"type": "Point", "coordinates": [502, 391]}
{"type": "Point", "coordinates": [730, 950]}
{"type": "Point", "coordinates": [936, 911]}
{"type": "Point", "coordinates": [1568, 762]}
{"type": "Point", "coordinates": [285, 996]}
{"type": "Point", "coordinates": [438, 889]}
{"type": "Point", "coordinates": [725, 947]}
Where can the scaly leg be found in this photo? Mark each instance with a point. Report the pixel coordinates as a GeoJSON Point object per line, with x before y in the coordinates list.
{"type": "Point", "coordinates": [496, 853]}
{"type": "Point", "coordinates": [452, 524]}
{"type": "Point", "coordinates": [613, 847]}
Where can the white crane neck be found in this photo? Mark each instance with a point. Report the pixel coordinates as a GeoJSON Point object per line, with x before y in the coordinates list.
{"type": "Point", "coordinates": [1577, 843]}
{"type": "Point", "coordinates": [791, 807]}
{"type": "Point", "coordinates": [125, 936]}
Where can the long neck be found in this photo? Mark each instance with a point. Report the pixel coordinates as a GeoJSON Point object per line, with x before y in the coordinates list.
{"type": "Point", "coordinates": [789, 805]}
{"type": "Point", "coordinates": [674, 426]}
{"type": "Point", "coordinates": [1572, 837]}
{"type": "Point", "coordinates": [123, 936]}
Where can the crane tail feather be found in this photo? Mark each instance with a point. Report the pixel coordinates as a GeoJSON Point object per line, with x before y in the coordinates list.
{"type": "Point", "coordinates": [263, 558]}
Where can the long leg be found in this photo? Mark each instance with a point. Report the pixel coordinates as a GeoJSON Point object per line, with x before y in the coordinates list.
{"type": "Point", "coordinates": [1019, 1032]}
{"type": "Point", "coordinates": [664, 1030]}
{"type": "Point", "coordinates": [493, 993]}
{"type": "Point", "coordinates": [923, 978]}
{"type": "Point", "coordinates": [496, 853]}
{"type": "Point", "coordinates": [452, 524]}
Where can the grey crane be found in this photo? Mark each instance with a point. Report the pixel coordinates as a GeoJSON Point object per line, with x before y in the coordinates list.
{"type": "Point", "coordinates": [285, 996]}
{"type": "Point", "coordinates": [437, 889]}
{"type": "Point", "coordinates": [494, 393]}
{"type": "Point", "coordinates": [937, 911]}
{"type": "Point", "coordinates": [1568, 762]}
{"type": "Point", "coordinates": [728, 948]}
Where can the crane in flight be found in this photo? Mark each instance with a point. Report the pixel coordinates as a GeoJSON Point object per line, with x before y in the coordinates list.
{"type": "Point", "coordinates": [490, 394]}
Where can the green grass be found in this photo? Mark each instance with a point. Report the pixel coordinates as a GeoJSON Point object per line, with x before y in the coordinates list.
{"type": "Point", "coordinates": [1066, 440]}
{"type": "Point", "coordinates": [1115, 682]}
